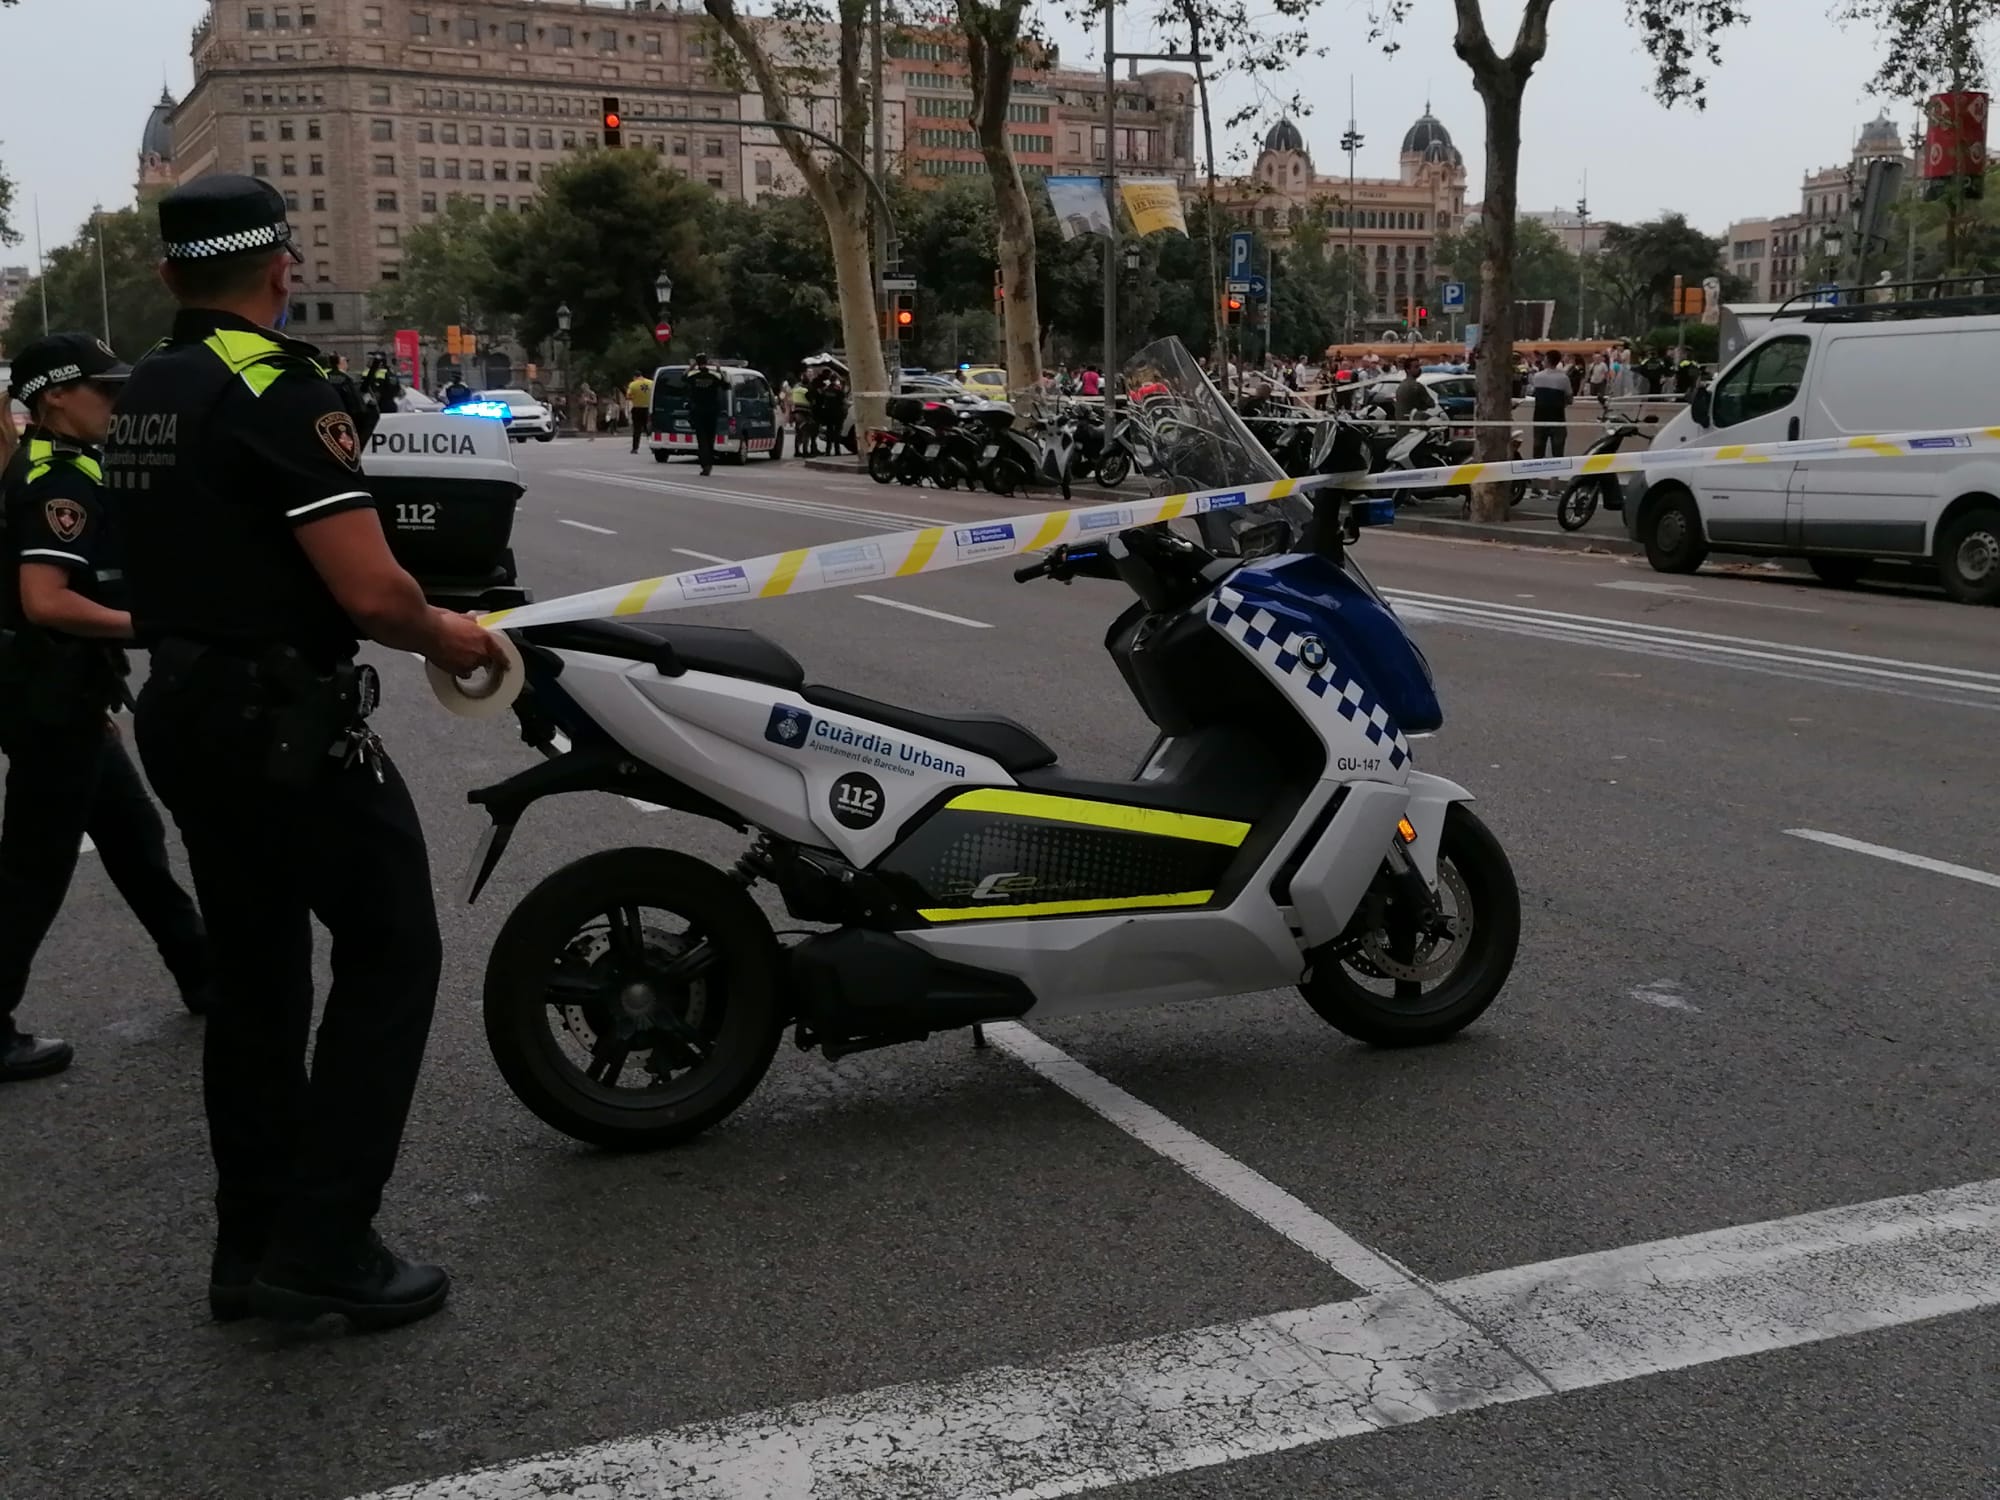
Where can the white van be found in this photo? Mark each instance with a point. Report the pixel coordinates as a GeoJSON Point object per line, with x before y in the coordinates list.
{"type": "Point", "coordinates": [1827, 372]}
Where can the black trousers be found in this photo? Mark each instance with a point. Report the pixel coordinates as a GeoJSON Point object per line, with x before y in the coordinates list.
{"type": "Point", "coordinates": [703, 423]}
{"type": "Point", "coordinates": [641, 423]}
{"type": "Point", "coordinates": [301, 1160]}
{"type": "Point", "coordinates": [1550, 439]}
{"type": "Point", "coordinates": [63, 782]}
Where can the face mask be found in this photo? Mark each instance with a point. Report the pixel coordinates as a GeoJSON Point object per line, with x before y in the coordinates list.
{"type": "Point", "coordinates": [284, 317]}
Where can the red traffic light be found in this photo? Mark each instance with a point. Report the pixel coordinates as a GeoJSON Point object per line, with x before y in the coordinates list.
{"type": "Point", "coordinates": [1236, 304]}
{"type": "Point", "coordinates": [904, 317]}
{"type": "Point", "coordinates": [1423, 314]}
{"type": "Point", "coordinates": [611, 122]}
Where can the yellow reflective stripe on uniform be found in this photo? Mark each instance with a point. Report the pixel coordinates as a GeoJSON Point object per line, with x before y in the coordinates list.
{"type": "Point", "coordinates": [260, 378]}
{"type": "Point", "coordinates": [1102, 815]}
{"type": "Point", "coordinates": [43, 456]}
{"type": "Point", "coordinates": [1062, 908]}
{"type": "Point", "coordinates": [250, 355]}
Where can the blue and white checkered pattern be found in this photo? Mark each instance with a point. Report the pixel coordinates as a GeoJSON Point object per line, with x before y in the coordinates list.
{"type": "Point", "coordinates": [1275, 643]}
{"type": "Point", "coordinates": [230, 244]}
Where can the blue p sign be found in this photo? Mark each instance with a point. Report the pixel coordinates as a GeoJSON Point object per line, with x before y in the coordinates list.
{"type": "Point", "coordinates": [1239, 254]}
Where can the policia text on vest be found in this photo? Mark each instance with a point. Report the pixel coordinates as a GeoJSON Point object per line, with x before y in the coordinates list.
{"type": "Point", "coordinates": [61, 674]}
{"type": "Point", "coordinates": [256, 562]}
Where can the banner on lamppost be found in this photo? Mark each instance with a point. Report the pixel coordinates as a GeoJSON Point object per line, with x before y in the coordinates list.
{"type": "Point", "coordinates": [407, 353]}
{"type": "Point", "coordinates": [1955, 144]}
{"type": "Point", "coordinates": [1154, 203]}
{"type": "Point", "coordinates": [1079, 205]}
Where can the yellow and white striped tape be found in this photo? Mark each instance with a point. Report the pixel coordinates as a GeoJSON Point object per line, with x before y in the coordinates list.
{"type": "Point", "coordinates": [933, 549]}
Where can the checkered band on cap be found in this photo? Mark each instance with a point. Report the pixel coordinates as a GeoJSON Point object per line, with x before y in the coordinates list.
{"type": "Point", "coordinates": [30, 388]}
{"type": "Point", "coordinates": [270, 236]}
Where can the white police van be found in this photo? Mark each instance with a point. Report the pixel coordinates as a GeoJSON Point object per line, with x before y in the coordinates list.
{"type": "Point", "coordinates": [1923, 362]}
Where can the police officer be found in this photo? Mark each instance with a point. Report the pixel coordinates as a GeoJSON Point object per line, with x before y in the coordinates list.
{"type": "Point", "coordinates": [256, 561]}
{"type": "Point", "coordinates": [705, 389]}
{"type": "Point", "coordinates": [68, 775]}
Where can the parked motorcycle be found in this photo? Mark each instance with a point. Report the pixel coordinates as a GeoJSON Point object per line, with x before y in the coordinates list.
{"type": "Point", "coordinates": [1583, 494]}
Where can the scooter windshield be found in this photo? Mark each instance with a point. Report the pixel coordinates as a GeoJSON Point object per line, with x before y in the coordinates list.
{"type": "Point", "coordinates": [1199, 443]}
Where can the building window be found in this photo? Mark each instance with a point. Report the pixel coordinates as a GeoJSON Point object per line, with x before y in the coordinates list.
{"type": "Point", "coordinates": [260, 166]}
{"type": "Point", "coordinates": [288, 166]}
{"type": "Point", "coordinates": [427, 167]}
{"type": "Point", "coordinates": [307, 16]}
{"type": "Point", "coordinates": [448, 133]}
{"type": "Point", "coordinates": [479, 201]}
{"type": "Point", "coordinates": [468, 28]}
{"type": "Point", "coordinates": [326, 312]}
{"type": "Point", "coordinates": [420, 25]}
{"type": "Point", "coordinates": [321, 234]}
{"type": "Point", "coordinates": [451, 171]}
{"type": "Point", "coordinates": [391, 271]}
{"type": "Point", "coordinates": [256, 130]}
{"type": "Point", "coordinates": [298, 312]}
{"type": "Point", "coordinates": [286, 131]}
{"type": "Point", "coordinates": [428, 203]}
{"type": "Point", "coordinates": [715, 179]}
{"type": "Point", "coordinates": [520, 138]}
{"type": "Point", "coordinates": [249, 98]}
{"type": "Point", "coordinates": [523, 172]}
{"type": "Point", "coordinates": [569, 140]}
{"type": "Point", "coordinates": [426, 132]}
{"type": "Point", "coordinates": [291, 201]}
{"type": "Point", "coordinates": [713, 112]}
{"type": "Point", "coordinates": [500, 202]}
{"type": "Point", "coordinates": [319, 202]}
{"type": "Point", "coordinates": [381, 130]}
{"type": "Point", "coordinates": [385, 166]}
{"type": "Point", "coordinates": [316, 166]}
{"type": "Point", "coordinates": [371, 18]}
{"type": "Point", "coordinates": [545, 139]}
{"type": "Point", "coordinates": [763, 171]}
{"type": "Point", "coordinates": [475, 136]}
{"type": "Point", "coordinates": [680, 145]}
{"type": "Point", "coordinates": [476, 171]}
{"type": "Point", "coordinates": [653, 45]}
{"type": "Point", "coordinates": [312, 130]}
{"type": "Point", "coordinates": [388, 234]}
{"type": "Point", "coordinates": [378, 95]}
{"type": "Point", "coordinates": [561, 35]}
{"type": "Point", "coordinates": [711, 147]}
{"type": "Point", "coordinates": [253, 18]}
{"type": "Point", "coordinates": [499, 171]}
{"type": "Point", "coordinates": [385, 202]}
{"type": "Point", "coordinates": [281, 18]}
{"type": "Point", "coordinates": [607, 41]}
{"type": "Point", "coordinates": [322, 271]}
{"type": "Point", "coordinates": [517, 33]}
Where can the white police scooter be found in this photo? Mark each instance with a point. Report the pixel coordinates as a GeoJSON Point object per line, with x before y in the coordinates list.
{"type": "Point", "coordinates": [446, 486]}
{"type": "Point", "coordinates": [1276, 833]}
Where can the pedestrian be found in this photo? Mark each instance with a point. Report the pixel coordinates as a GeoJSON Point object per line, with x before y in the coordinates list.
{"type": "Point", "coordinates": [456, 392]}
{"type": "Point", "coordinates": [1552, 392]}
{"type": "Point", "coordinates": [705, 390]}
{"type": "Point", "coordinates": [1598, 381]}
{"type": "Point", "coordinates": [1092, 382]}
{"type": "Point", "coordinates": [62, 672]}
{"type": "Point", "coordinates": [1412, 395]}
{"type": "Point", "coordinates": [586, 400]}
{"type": "Point", "coordinates": [256, 561]}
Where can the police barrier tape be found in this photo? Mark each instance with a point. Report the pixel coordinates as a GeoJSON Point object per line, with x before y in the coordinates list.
{"type": "Point", "coordinates": [933, 549]}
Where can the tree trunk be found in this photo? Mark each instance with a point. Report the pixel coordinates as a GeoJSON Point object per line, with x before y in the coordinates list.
{"type": "Point", "coordinates": [1501, 81]}
{"type": "Point", "coordinates": [1494, 399]}
{"type": "Point", "coordinates": [993, 40]}
{"type": "Point", "coordinates": [838, 189]}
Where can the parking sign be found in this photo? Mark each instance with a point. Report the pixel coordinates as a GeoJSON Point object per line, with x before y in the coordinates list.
{"type": "Point", "coordinates": [1239, 253]}
{"type": "Point", "coordinates": [1454, 296]}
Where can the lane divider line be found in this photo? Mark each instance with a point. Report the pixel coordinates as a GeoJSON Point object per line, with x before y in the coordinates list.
{"type": "Point", "coordinates": [918, 609]}
{"type": "Point", "coordinates": [1897, 856]}
{"type": "Point", "coordinates": [585, 526]}
{"type": "Point", "coordinates": [698, 556]}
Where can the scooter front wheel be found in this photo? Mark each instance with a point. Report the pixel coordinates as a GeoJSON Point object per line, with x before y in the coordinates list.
{"type": "Point", "coordinates": [881, 467]}
{"type": "Point", "coordinates": [1380, 984]}
{"type": "Point", "coordinates": [1577, 505]}
{"type": "Point", "coordinates": [634, 998]}
{"type": "Point", "coordinates": [1113, 469]}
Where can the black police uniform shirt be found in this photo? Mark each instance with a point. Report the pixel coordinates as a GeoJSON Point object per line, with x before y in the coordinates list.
{"type": "Point", "coordinates": [226, 438]}
{"type": "Point", "coordinates": [55, 514]}
{"type": "Point", "coordinates": [704, 390]}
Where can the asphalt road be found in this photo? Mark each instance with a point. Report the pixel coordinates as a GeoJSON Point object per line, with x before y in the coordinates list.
{"type": "Point", "coordinates": [1713, 1022]}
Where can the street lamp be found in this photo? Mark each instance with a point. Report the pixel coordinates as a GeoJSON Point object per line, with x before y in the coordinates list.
{"type": "Point", "coordinates": [562, 335]}
{"type": "Point", "coordinates": [663, 289]}
{"type": "Point", "coordinates": [1132, 255]}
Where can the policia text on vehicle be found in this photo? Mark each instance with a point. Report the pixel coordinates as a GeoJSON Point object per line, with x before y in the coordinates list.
{"type": "Point", "coordinates": [61, 672]}
{"type": "Point", "coordinates": [256, 561]}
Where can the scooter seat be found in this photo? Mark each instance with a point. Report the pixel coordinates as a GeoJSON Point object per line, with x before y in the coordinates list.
{"type": "Point", "coordinates": [676, 649]}
{"type": "Point", "coordinates": [1013, 746]}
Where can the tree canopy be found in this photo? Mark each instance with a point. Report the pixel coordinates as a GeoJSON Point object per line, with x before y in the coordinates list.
{"type": "Point", "coordinates": [141, 310]}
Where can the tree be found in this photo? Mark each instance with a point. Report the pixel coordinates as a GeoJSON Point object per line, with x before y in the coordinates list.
{"type": "Point", "coordinates": [1545, 269]}
{"type": "Point", "coordinates": [1636, 264]}
{"type": "Point", "coordinates": [1927, 45]}
{"type": "Point", "coordinates": [9, 235]}
{"type": "Point", "coordinates": [141, 310]}
{"type": "Point", "coordinates": [448, 278]}
{"type": "Point", "coordinates": [993, 41]}
{"type": "Point", "coordinates": [784, 57]}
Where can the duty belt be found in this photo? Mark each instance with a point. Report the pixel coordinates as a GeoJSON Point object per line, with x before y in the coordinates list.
{"type": "Point", "coordinates": [312, 715]}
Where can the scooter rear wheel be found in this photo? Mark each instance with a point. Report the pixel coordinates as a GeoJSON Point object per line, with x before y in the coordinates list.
{"type": "Point", "coordinates": [1364, 987]}
{"type": "Point", "coordinates": [634, 998]}
{"type": "Point", "coordinates": [1113, 469]}
{"type": "Point", "coordinates": [881, 467]}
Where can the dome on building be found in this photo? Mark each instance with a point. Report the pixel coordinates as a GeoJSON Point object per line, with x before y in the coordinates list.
{"type": "Point", "coordinates": [1284, 136]}
{"type": "Point", "coordinates": [1880, 137]}
{"type": "Point", "coordinates": [1426, 133]}
{"type": "Point", "coordinates": [159, 137]}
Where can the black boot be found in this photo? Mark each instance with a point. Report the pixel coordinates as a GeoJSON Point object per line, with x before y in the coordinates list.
{"type": "Point", "coordinates": [370, 1285]}
{"type": "Point", "coordinates": [23, 1056]}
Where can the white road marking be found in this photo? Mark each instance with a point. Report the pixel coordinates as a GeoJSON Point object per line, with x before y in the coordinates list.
{"type": "Point", "coordinates": [1898, 856]}
{"type": "Point", "coordinates": [1250, 1191]}
{"type": "Point", "coordinates": [700, 556]}
{"type": "Point", "coordinates": [1125, 1413]}
{"type": "Point", "coordinates": [846, 515]}
{"type": "Point", "coordinates": [918, 609]}
{"type": "Point", "coordinates": [1966, 686]}
{"type": "Point", "coordinates": [1688, 591]}
{"type": "Point", "coordinates": [585, 526]}
{"type": "Point", "coordinates": [1665, 993]}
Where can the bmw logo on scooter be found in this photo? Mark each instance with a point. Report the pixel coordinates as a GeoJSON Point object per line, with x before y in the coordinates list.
{"type": "Point", "coordinates": [1312, 651]}
{"type": "Point", "coordinates": [788, 726]}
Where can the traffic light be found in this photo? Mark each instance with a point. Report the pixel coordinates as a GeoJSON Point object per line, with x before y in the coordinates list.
{"type": "Point", "coordinates": [1232, 308]}
{"type": "Point", "coordinates": [612, 134]}
{"type": "Point", "coordinates": [999, 288]}
{"type": "Point", "coordinates": [1423, 316]}
{"type": "Point", "coordinates": [903, 316]}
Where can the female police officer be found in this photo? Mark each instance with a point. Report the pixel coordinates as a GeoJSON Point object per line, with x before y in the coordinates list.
{"type": "Point", "coordinates": [68, 774]}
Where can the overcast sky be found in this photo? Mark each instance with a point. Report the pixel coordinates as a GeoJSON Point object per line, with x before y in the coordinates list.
{"type": "Point", "coordinates": [81, 76]}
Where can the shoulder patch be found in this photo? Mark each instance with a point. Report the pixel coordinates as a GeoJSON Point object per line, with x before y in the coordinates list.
{"type": "Point", "coordinates": [336, 430]}
{"type": "Point", "coordinates": [66, 519]}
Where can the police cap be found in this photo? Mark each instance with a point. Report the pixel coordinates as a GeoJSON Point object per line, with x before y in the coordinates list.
{"type": "Point", "coordinates": [224, 215]}
{"type": "Point", "coordinates": [63, 359]}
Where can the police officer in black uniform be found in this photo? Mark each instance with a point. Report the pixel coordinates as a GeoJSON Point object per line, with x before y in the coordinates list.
{"type": "Point", "coordinates": [705, 390]}
{"type": "Point", "coordinates": [256, 561]}
{"type": "Point", "coordinates": [61, 673]}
